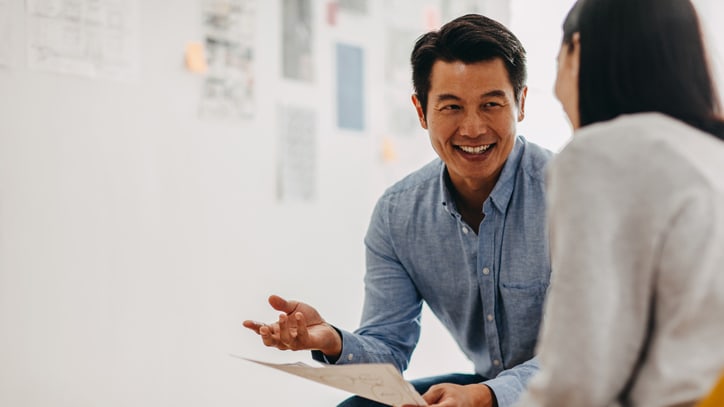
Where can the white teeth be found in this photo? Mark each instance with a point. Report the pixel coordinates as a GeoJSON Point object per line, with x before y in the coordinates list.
{"type": "Point", "coordinates": [475, 150]}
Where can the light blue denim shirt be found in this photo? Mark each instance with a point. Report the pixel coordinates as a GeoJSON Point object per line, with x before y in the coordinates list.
{"type": "Point", "coordinates": [486, 289]}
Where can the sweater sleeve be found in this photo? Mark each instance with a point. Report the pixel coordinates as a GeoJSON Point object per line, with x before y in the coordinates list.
{"type": "Point", "coordinates": [599, 297]}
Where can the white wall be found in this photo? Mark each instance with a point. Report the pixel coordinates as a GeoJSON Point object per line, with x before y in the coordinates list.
{"type": "Point", "coordinates": [135, 237]}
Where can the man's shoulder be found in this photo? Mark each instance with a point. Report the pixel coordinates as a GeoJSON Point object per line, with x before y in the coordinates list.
{"type": "Point", "coordinates": [534, 159]}
{"type": "Point", "coordinates": [423, 177]}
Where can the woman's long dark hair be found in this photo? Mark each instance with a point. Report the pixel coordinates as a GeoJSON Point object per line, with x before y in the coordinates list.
{"type": "Point", "coordinates": [643, 56]}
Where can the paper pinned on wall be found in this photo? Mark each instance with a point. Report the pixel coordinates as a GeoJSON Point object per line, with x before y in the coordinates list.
{"type": "Point", "coordinates": [297, 159]}
{"type": "Point", "coordinates": [451, 9]}
{"type": "Point", "coordinates": [332, 10]}
{"type": "Point", "coordinates": [353, 6]}
{"type": "Point", "coordinates": [432, 18]}
{"type": "Point", "coordinates": [84, 37]}
{"type": "Point", "coordinates": [228, 88]}
{"type": "Point", "coordinates": [297, 36]}
{"type": "Point", "coordinates": [380, 382]}
{"type": "Point", "coordinates": [5, 33]}
{"type": "Point", "coordinates": [350, 87]}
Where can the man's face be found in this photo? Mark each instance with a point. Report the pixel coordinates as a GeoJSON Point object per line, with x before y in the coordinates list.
{"type": "Point", "coordinates": [471, 119]}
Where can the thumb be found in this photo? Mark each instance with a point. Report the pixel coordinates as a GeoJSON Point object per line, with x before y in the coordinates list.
{"type": "Point", "coordinates": [433, 395]}
{"type": "Point", "coordinates": [280, 304]}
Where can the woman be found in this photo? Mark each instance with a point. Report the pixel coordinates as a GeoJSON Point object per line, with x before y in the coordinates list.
{"type": "Point", "coordinates": [635, 313]}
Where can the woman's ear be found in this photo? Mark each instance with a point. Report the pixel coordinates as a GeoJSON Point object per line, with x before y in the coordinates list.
{"type": "Point", "coordinates": [420, 111]}
{"type": "Point", "coordinates": [574, 50]}
{"type": "Point", "coordinates": [521, 103]}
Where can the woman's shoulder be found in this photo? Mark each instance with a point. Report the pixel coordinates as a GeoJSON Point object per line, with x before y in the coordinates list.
{"type": "Point", "coordinates": [647, 143]}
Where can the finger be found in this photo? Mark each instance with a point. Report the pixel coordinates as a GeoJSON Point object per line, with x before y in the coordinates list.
{"type": "Point", "coordinates": [280, 304]}
{"type": "Point", "coordinates": [302, 332]}
{"type": "Point", "coordinates": [253, 325]}
{"type": "Point", "coordinates": [266, 336]}
{"type": "Point", "coordinates": [276, 336]}
{"type": "Point", "coordinates": [284, 335]}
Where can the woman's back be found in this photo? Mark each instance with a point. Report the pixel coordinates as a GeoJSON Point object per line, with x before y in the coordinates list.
{"type": "Point", "coordinates": [638, 219]}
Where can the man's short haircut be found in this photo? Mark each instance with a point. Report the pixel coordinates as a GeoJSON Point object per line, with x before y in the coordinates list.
{"type": "Point", "coordinates": [469, 39]}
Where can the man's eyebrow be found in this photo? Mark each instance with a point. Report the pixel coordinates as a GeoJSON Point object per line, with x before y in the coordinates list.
{"type": "Point", "coordinates": [493, 93]}
{"type": "Point", "coordinates": [445, 97]}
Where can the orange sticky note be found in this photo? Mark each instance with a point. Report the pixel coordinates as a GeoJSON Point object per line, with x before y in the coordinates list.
{"type": "Point", "coordinates": [195, 58]}
{"type": "Point", "coordinates": [389, 153]}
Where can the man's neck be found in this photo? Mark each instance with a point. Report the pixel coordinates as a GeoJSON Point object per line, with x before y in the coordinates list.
{"type": "Point", "coordinates": [469, 202]}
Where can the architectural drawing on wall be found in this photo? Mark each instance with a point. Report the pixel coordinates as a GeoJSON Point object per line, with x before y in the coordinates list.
{"type": "Point", "coordinates": [84, 37]}
{"type": "Point", "coordinates": [5, 33]}
{"type": "Point", "coordinates": [297, 36]}
{"type": "Point", "coordinates": [228, 88]}
{"type": "Point", "coordinates": [297, 154]}
{"type": "Point", "coordinates": [350, 87]}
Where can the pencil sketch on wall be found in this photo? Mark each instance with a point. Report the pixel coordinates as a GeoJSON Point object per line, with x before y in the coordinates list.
{"type": "Point", "coordinates": [297, 36]}
{"type": "Point", "coordinates": [297, 154]}
{"type": "Point", "coordinates": [228, 88]}
{"type": "Point", "coordinates": [84, 37]}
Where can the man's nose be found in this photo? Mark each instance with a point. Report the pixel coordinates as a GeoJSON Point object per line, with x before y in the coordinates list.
{"type": "Point", "coordinates": [473, 124]}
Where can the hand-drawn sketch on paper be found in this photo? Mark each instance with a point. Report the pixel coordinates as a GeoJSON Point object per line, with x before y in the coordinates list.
{"type": "Point", "coordinates": [228, 88]}
{"type": "Point", "coordinates": [297, 36]}
{"type": "Point", "coordinates": [380, 382]}
{"type": "Point", "coordinates": [85, 37]}
{"type": "Point", "coordinates": [297, 160]}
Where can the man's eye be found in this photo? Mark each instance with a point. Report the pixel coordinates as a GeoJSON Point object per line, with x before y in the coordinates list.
{"type": "Point", "coordinates": [491, 104]}
{"type": "Point", "coordinates": [451, 107]}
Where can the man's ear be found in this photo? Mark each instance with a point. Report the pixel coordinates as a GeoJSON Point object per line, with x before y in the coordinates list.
{"type": "Point", "coordinates": [521, 104]}
{"type": "Point", "coordinates": [420, 111]}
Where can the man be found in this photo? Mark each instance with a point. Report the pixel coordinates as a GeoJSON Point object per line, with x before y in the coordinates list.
{"type": "Point", "coordinates": [465, 233]}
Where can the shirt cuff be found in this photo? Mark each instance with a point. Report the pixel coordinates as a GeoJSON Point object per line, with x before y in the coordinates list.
{"type": "Point", "coordinates": [349, 354]}
{"type": "Point", "coordinates": [506, 390]}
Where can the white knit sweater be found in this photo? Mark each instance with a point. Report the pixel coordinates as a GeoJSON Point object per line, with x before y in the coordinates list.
{"type": "Point", "coordinates": [635, 312]}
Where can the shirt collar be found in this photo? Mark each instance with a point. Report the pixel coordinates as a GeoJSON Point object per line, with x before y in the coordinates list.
{"type": "Point", "coordinates": [503, 189]}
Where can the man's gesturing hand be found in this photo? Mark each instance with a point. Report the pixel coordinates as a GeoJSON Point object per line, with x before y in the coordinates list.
{"type": "Point", "coordinates": [299, 327]}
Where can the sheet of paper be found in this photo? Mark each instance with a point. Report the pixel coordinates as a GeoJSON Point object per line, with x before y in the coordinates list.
{"type": "Point", "coordinates": [84, 37]}
{"type": "Point", "coordinates": [350, 87]}
{"type": "Point", "coordinates": [380, 382]}
{"type": "Point", "coordinates": [228, 60]}
{"type": "Point", "coordinates": [298, 33]}
{"type": "Point", "coordinates": [5, 33]}
{"type": "Point", "coordinates": [297, 154]}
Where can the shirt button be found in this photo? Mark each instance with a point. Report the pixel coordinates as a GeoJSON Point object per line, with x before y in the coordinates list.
{"type": "Point", "coordinates": [465, 230]}
{"type": "Point", "coordinates": [496, 362]}
{"type": "Point", "coordinates": [490, 317]}
{"type": "Point", "coordinates": [350, 357]}
{"type": "Point", "coordinates": [486, 271]}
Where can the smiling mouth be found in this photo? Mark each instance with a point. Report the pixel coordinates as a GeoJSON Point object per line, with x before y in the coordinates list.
{"type": "Point", "coordinates": [475, 149]}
